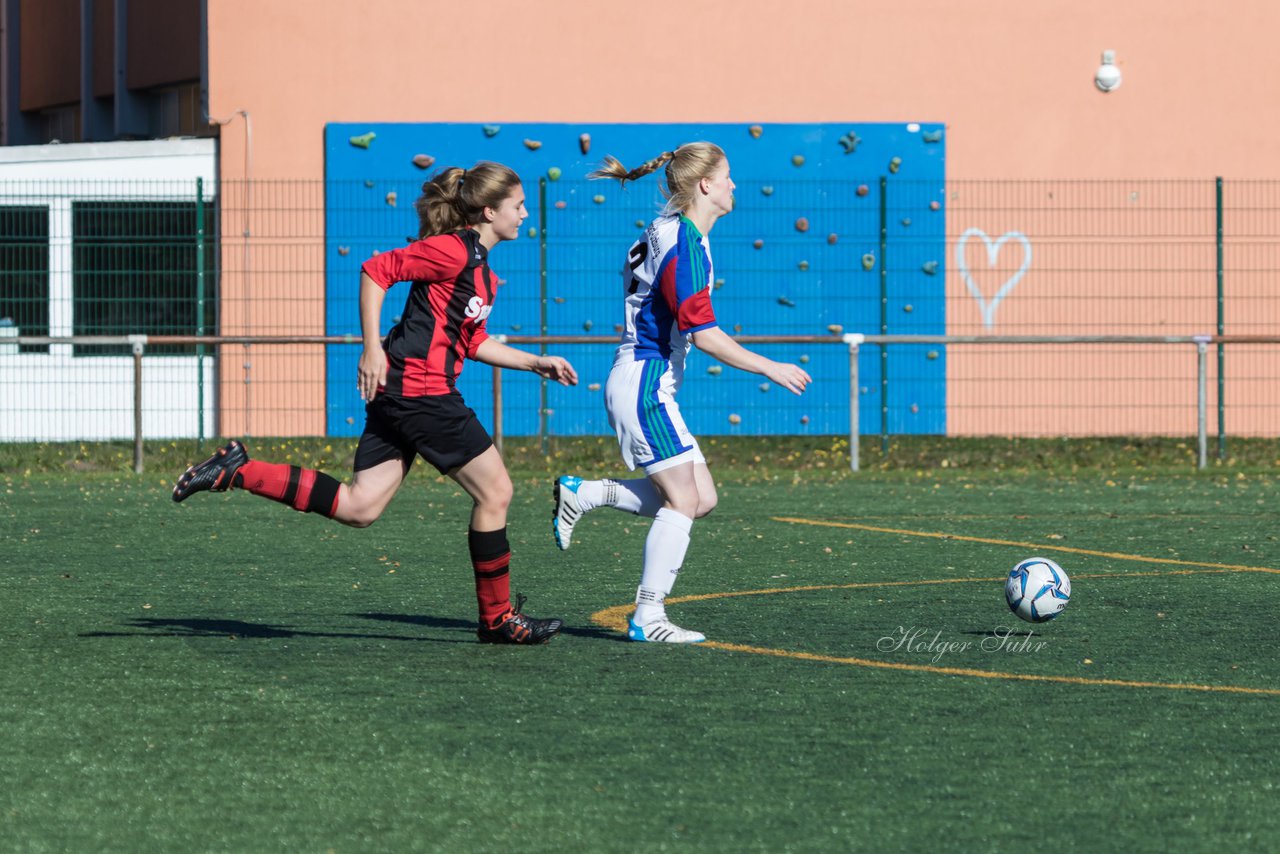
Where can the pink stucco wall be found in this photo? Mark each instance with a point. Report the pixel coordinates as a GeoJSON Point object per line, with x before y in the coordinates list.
{"type": "Point", "coordinates": [1012, 80]}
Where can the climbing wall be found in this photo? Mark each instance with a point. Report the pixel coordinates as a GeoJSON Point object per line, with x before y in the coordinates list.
{"type": "Point", "coordinates": [837, 228]}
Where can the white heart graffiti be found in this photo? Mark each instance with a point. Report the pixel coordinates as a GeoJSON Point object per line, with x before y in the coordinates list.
{"type": "Point", "coordinates": [988, 309]}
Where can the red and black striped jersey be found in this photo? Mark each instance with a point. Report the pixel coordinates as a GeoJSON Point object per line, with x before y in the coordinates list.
{"type": "Point", "coordinates": [444, 317]}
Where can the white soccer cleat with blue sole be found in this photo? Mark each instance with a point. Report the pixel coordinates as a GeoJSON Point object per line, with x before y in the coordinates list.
{"type": "Point", "coordinates": [568, 510]}
{"type": "Point", "coordinates": [662, 631]}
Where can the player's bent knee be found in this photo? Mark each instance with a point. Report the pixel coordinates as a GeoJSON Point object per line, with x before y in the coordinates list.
{"type": "Point", "coordinates": [359, 520]}
{"type": "Point", "coordinates": [356, 515]}
{"type": "Point", "coordinates": [492, 504]}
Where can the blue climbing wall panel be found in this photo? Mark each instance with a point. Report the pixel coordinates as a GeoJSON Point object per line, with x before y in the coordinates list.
{"type": "Point", "coordinates": [837, 227]}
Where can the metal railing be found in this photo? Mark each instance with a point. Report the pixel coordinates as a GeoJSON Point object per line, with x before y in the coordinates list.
{"type": "Point", "coordinates": [853, 342]}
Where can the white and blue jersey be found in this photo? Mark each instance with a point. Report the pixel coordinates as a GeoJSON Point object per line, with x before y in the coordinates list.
{"type": "Point", "coordinates": [668, 297]}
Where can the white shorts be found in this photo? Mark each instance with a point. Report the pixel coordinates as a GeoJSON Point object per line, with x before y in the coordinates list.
{"type": "Point", "coordinates": [642, 406]}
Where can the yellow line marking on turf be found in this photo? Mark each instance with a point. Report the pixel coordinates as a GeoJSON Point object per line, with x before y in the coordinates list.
{"type": "Point", "coordinates": [987, 674]}
{"type": "Point", "coordinates": [615, 618]}
{"type": "Point", "coordinates": [938, 535]}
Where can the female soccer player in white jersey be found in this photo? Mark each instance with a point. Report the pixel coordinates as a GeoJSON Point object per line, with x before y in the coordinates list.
{"type": "Point", "coordinates": [668, 307]}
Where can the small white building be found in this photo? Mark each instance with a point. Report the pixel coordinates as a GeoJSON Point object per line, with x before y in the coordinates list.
{"type": "Point", "coordinates": [103, 239]}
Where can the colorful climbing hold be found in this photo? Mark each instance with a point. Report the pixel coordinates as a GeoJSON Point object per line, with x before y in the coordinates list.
{"type": "Point", "coordinates": [787, 301]}
{"type": "Point", "coordinates": [895, 164]}
{"type": "Point", "coordinates": [802, 266]}
{"type": "Point", "coordinates": [586, 325]}
{"type": "Point", "coordinates": [804, 359]}
{"type": "Point", "coordinates": [906, 222]}
{"type": "Point", "coordinates": [491, 130]}
{"type": "Point", "coordinates": [767, 190]}
{"type": "Point", "coordinates": [391, 198]}
{"type": "Point", "coordinates": [598, 199]}
{"type": "Point", "coordinates": [804, 419]}
{"type": "Point", "coordinates": [561, 205]}
{"type": "Point", "coordinates": [423, 161]}
{"type": "Point", "coordinates": [863, 189]}
{"type": "Point", "coordinates": [802, 225]}
{"type": "Point", "coordinates": [363, 140]}
{"type": "Point", "coordinates": [532, 144]}
{"type": "Point", "coordinates": [797, 160]}
{"type": "Point", "coordinates": [715, 370]}
{"type": "Point", "coordinates": [764, 387]}
{"type": "Point", "coordinates": [755, 131]}
{"type": "Point", "coordinates": [849, 142]}
{"type": "Point", "coordinates": [735, 418]}
{"type": "Point", "coordinates": [343, 250]}
{"type": "Point", "coordinates": [930, 267]}
{"type": "Point", "coordinates": [932, 136]}
{"type": "Point", "coordinates": [593, 387]}
{"type": "Point", "coordinates": [934, 205]}
{"type": "Point", "coordinates": [554, 173]}
{"type": "Point", "coordinates": [758, 243]}
{"type": "Point", "coordinates": [835, 329]}
{"type": "Point", "coordinates": [832, 238]}
{"type": "Point", "coordinates": [584, 142]}
{"type": "Point", "coordinates": [532, 232]}
{"type": "Point", "coordinates": [868, 262]}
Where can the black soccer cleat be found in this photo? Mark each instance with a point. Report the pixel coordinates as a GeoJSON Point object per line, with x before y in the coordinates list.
{"type": "Point", "coordinates": [214, 474]}
{"type": "Point", "coordinates": [516, 627]}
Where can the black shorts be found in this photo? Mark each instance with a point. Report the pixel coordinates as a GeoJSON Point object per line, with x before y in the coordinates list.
{"type": "Point", "coordinates": [442, 428]}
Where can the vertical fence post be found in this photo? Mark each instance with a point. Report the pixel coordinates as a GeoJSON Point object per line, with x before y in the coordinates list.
{"type": "Point", "coordinates": [883, 281]}
{"type": "Point", "coordinates": [1202, 399]}
{"type": "Point", "coordinates": [884, 316]}
{"type": "Point", "coordinates": [542, 309]}
{"type": "Point", "coordinates": [138, 344]}
{"type": "Point", "coordinates": [200, 330]}
{"type": "Point", "coordinates": [497, 408]}
{"type": "Point", "coordinates": [853, 340]}
{"type": "Point", "coordinates": [1222, 412]}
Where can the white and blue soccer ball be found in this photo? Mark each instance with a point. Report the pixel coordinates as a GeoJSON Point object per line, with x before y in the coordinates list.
{"type": "Point", "coordinates": [1037, 589]}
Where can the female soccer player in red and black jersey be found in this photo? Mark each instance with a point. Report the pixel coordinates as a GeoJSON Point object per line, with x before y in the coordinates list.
{"type": "Point", "coordinates": [408, 382]}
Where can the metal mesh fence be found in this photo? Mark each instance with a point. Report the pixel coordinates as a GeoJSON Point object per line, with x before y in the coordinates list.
{"type": "Point", "coordinates": [896, 258]}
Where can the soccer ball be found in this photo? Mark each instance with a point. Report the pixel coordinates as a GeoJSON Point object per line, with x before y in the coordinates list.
{"type": "Point", "coordinates": [1037, 590]}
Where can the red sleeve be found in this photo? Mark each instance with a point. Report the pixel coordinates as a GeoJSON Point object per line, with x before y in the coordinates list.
{"type": "Point", "coordinates": [478, 337]}
{"type": "Point", "coordinates": [695, 313]}
{"type": "Point", "coordinates": [433, 259]}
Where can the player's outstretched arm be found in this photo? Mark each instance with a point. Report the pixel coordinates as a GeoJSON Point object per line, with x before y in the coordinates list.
{"type": "Point", "coordinates": [718, 345]}
{"type": "Point", "coordinates": [493, 352]}
{"type": "Point", "coordinates": [371, 372]}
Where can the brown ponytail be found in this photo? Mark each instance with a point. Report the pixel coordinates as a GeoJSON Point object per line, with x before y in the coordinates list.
{"type": "Point", "coordinates": [455, 198]}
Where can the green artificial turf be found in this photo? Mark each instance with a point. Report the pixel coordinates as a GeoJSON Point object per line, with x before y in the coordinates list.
{"type": "Point", "coordinates": [229, 675]}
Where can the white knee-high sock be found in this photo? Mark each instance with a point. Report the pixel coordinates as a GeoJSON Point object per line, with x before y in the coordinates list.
{"type": "Point", "coordinates": [664, 551]}
{"type": "Point", "coordinates": [638, 496]}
